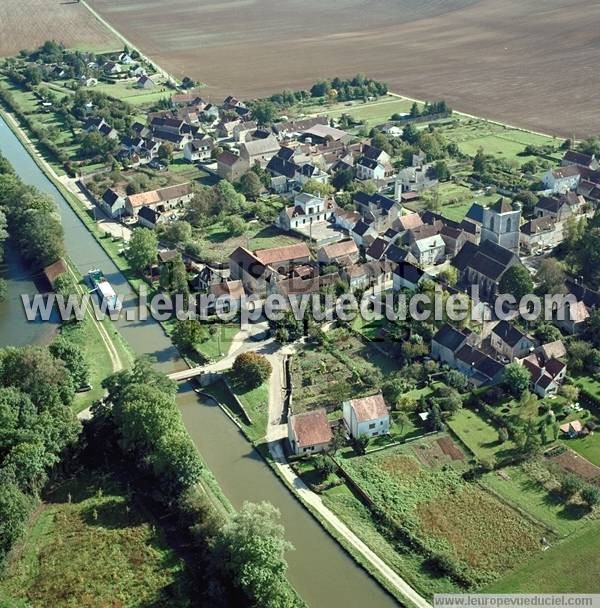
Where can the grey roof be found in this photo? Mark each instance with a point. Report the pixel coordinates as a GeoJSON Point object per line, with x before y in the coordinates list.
{"type": "Point", "coordinates": [408, 272]}
{"type": "Point", "coordinates": [508, 333]}
{"type": "Point", "coordinates": [449, 337]}
{"type": "Point", "coordinates": [475, 213]}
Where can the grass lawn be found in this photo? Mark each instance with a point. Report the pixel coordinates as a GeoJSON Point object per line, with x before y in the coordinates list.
{"type": "Point", "coordinates": [374, 112]}
{"type": "Point", "coordinates": [571, 566]}
{"type": "Point", "coordinates": [523, 490]}
{"type": "Point", "coordinates": [589, 384]}
{"type": "Point", "coordinates": [219, 243]}
{"type": "Point", "coordinates": [588, 447]}
{"type": "Point", "coordinates": [129, 93]}
{"type": "Point", "coordinates": [255, 402]}
{"type": "Point", "coordinates": [90, 545]}
{"type": "Point", "coordinates": [478, 435]}
{"type": "Point", "coordinates": [217, 346]}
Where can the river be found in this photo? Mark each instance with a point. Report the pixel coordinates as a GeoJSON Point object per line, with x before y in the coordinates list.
{"type": "Point", "coordinates": [321, 571]}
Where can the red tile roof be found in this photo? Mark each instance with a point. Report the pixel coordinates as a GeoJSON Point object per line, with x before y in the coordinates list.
{"type": "Point", "coordinates": [311, 428]}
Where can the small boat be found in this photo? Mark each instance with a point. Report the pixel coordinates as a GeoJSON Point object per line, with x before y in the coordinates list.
{"type": "Point", "coordinates": [104, 289]}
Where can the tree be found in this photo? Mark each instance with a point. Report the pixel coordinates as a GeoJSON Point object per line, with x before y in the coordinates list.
{"type": "Point", "coordinates": [570, 392]}
{"type": "Point", "coordinates": [253, 546]}
{"type": "Point", "coordinates": [441, 171]}
{"type": "Point", "coordinates": [550, 277]}
{"type": "Point", "coordinates": [402, 420]}
{"type": "Point", "coordinates": [235, 225]}
{"type": "Point", "coordinates": [264, 112]}
{"type": "Point", "coordinates": [545, 332]}
{"type": "Point", "coordinates": [410, 134]}
{"type": "Point", "coordinates": [13, 513]}
{"type": "Point", "coordinates": [250, 185]}
{"type": "Point", "coordinates": [590, 496]}
{"type": "Point", "coordinates": [142, 249]}
{"type": "Point", "coordinates": [317, 188]}
{"type": "Point", "coordinates": [28, 464]}
{"type": "Point", "coordinates": [480, 162]}
{"type": "Point", "coordinates": [73, 357]}
{"type": "Point", "coordinates": [251, 369]}
{"type": "Point", "coordinates": [516, 378]}
{"type": "Point", "coordinates": [516, 281]}
{"type": "Point", "coordinates": [433, 199]}
{"type": "Point", "coordinates": [3, 290]}
{"type": "Point", "coordinates": [165, 152]}
{"type": "Point", "coordinates": [177, 232]}
{"type": "Point", "coordinates": [189, 333]}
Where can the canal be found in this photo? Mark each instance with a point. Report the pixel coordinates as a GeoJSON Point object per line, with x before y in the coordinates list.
{"type": "Point", "coordinates": [319, 569]}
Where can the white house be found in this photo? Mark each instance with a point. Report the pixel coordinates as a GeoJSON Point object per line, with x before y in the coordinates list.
{"type": "Point", "coordinates": [198, 149]}
{"type": "Point", "coordinates": [369, 168]}
{"type": "Point", "coordinates": [307, 210]}
{"type": "Point", "coordinates": [562, 179]}
{"type": "Point", "coordinates": [112, 203]}
{"type": "Point", "coordinates": [368, 416]}
{"type": "Point", "coordinates": [309, 432]}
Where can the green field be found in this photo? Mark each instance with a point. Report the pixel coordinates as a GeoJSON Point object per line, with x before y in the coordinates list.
{"type": "Point", "coordinates": [523, 490]}
{"type": "Point", "coordinates": [374, 113]}
{"type": "Point", "coordinates": [90, 545]}
{"type": "Point", "coordinates": [571, 566]}
{"type": "Point", "coordinates": [478, 435]}
{"type": "Point", "coordinates": [131, 94]}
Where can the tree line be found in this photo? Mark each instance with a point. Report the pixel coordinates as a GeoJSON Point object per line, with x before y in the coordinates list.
{"type": "Point", "coordinates": [235, 561]}
{"type": "Point", "coordinates": [32, 220]}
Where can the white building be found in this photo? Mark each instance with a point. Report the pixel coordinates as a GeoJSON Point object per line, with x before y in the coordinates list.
{"type": "Point", "coordinates": [368, 416]}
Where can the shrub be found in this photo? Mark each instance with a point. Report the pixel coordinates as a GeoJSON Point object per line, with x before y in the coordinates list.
{"type": "Point", "coordinates": [251, 369]}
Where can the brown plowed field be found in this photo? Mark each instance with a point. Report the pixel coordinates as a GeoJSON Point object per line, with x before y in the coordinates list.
{"type": "Point", "coordinates": [25, 24]}
{"type": "Point", "coordinates": [533, 63]}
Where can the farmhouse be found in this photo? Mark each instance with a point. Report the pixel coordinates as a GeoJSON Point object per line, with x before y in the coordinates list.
{"type": "Point", "coordinates": [282, 259]}
{"type": "Point", "coordinates": [546, 375]}
{"type": "Point", "coordinates": [573, 157]}
{"type": "Point", "coordinates": [563, 179]}
{"type": "Point", "coordinates": [309, 432]}
{"type": "Point", "coordinates": [539, 233]}
{"type": "Point", "coordinates": [246, 267]}
{"type": "Point", "coordinates": [160, 200]}
{"type": "Point", "coordinates": [407, 276]}
{"type": "Point", "coordinates": [259, 151]}
{"type": "Point", "coordinates": [447, 342]}
{"type": "Point", "coordinates": [307, 213]}
{"type": "Point", "coordinates": [144, 82]}
{"type": "Point", "coordinates": [148, 217]}
{"type": "Point", "coordinates": [367, 417]}
{"type": "Point", "coordinates": [230, 166]}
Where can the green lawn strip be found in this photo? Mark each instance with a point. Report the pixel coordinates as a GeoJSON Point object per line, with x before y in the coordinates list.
{"type": "Point", "coordinates": [90, 540]}
{"type": "Point", "coordinates": [569, 566]}
{"type": "Point", "coordinates": [408, 564]}
{"type": "Point", "coordinates": [588, 447]}
{"type": "Point", "coordinates": [479, 436]}
{"type": "Point", "coordinates": [254, 402]}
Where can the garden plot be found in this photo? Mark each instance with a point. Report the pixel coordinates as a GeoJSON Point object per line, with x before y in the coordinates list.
{"type": "Point", "coordinates": [345, 368]}
{"type": "Point", "coordinates": [476, 536]}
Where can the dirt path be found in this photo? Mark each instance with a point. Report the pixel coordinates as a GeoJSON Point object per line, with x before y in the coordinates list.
{"type": "Point", "coordinates": [314, 501]}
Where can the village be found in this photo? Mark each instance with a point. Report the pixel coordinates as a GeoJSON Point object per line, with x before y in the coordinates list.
{"type": "Point", "coordinates": [347, 189]}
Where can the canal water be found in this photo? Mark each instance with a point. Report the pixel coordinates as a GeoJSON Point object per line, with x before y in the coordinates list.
{"type": "Point", "coordinates": [322, 572]}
